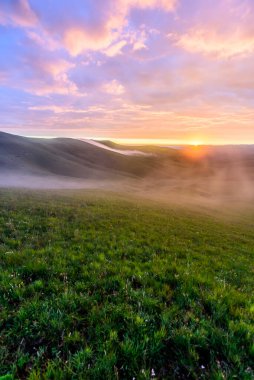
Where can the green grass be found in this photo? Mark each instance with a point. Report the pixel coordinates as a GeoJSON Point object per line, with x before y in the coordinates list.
{"type": "Point", "coordinates": [99, 287]}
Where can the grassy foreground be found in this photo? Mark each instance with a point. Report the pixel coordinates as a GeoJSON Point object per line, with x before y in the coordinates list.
{"type": "Point", "coordinates": [95, 287]}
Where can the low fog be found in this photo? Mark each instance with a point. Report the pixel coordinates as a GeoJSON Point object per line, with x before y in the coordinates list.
{"type": "Point", "coordinates": [201, 176]}
{"type": "Point", "coordinates": [206, 184]}
{"type": "Point", "coordinates": [126, 152]}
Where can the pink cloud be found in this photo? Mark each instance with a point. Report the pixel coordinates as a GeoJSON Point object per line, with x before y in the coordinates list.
{"type": "Point", "coordinates": [223, 31]}
{"type": "Point", "coordinates": [214, 43]}
{"type": "Point", "coordinates": [56, 67]}
{"type": "Point", "coordinates": [115, 49]}
{"type": "Point", "coordinates": [113, 88]}
{"type": "Point", "coordinates": [57, 81]}
{"type": "Point", "coordinates": [3, 77]}
{"type": "Point", "coordinates": [139, 40]}
{"type": "Point", "coordinates": [60, 84]}
{"type": "Point", "coordinates": [167, 5]}
{"type": "Point", "coordinates": [102, 32]}
{"type": "Point", "coordinates": [43, 39]}
{"type": "Point", "coordinates": [148, 86]}
{"type": "Point", "coordinates": [44, 76]}
{"type": "Point", "coordinates": [18, 13]}
{"type": "Point", "coordinates": [58, 109]}
{"type": "Point", "coordinates": [78, 39]}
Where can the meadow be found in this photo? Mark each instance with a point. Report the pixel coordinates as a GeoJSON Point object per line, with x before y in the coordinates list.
{"type": "Point", "coordinates": [97, 286]}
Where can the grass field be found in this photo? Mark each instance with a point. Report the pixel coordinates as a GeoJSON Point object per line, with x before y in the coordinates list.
{"type": "Point", "coordinates": [94, 286]}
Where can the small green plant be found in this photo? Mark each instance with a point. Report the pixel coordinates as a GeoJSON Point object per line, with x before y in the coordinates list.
{"type": "Point", "coordinates": [6, 377]}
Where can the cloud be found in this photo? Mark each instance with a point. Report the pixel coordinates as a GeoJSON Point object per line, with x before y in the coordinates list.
{"type": "Point", "coordinates": [58, 109]}
{"type": "Point", "coordinates": [222, 31]}
{"type": "Point", "coordinates": [49, 75]}
{"type": "Point", "coordinates": [127, 66]}
{"type": "Point", "coordinates": [76, 40]}
{"type": "Point", "coordinates": [60, 85]}
{"type": "Point", "coordinates": [17, 13]}
{"type": "Point", "coordinates": [113, 88]}
{"type": "Point", "coordinates": [55, 67]}
{"type": "Point", "coordinates": [3, 77]}
{"type": "Point", "coordinates": [139, 39]}
{"type": "Point", "coordinates": [211, 42]}
{"type": "Point", "coordinates": [98, 28]}
{"type": "Point", "coordinates": [139, 45]}
{"type": "Point", "coordinates": [43, 39]}
{"type": "Point", "coordinates": [115, 49]}
{"type": "Point", "coordinates": [167, 5]}
{"type": "Point", "coordinates": [41, 75]}
{"type": "Point", "coordinates": [101, 29]}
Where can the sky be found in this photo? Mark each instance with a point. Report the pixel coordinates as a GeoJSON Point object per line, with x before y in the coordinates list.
{"type": "Point", "coordinates": [175, 70]}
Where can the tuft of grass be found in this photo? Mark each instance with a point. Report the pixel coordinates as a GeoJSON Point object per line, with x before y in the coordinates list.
{"type": "Point", "coordinates": [93, 286]}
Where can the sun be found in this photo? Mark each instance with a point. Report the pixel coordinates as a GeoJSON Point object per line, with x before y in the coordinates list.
{"type": "Point", "coordinates": [196, 143]}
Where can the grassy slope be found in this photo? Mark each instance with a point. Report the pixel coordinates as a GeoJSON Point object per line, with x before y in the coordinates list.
{"type": "Point", "coordinates": [67, 157]}
{"type": "Point", "coordinates": [98, 287]}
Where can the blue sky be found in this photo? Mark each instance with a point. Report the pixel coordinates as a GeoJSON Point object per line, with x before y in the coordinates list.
{"type": "Point", "coordinates": [136, 69]}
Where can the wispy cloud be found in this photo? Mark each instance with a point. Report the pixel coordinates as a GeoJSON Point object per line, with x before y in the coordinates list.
{"type": "Point", "coordinates": [17, 13]}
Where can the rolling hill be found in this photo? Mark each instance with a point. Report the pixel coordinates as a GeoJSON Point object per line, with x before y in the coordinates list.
{"type": "Point", "coordinates": [206, 171]}
{"type": "Point", "coordinates": [67, 157]}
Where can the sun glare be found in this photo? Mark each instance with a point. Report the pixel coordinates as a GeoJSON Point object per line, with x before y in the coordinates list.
{"type": "Point", "coordinates": [195, 151]}
{"type": "Point", "coordinates": [196, 143]}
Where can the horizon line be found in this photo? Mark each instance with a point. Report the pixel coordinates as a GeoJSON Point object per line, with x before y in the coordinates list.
{"type": "Point", "coordinates": [137, 141]}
